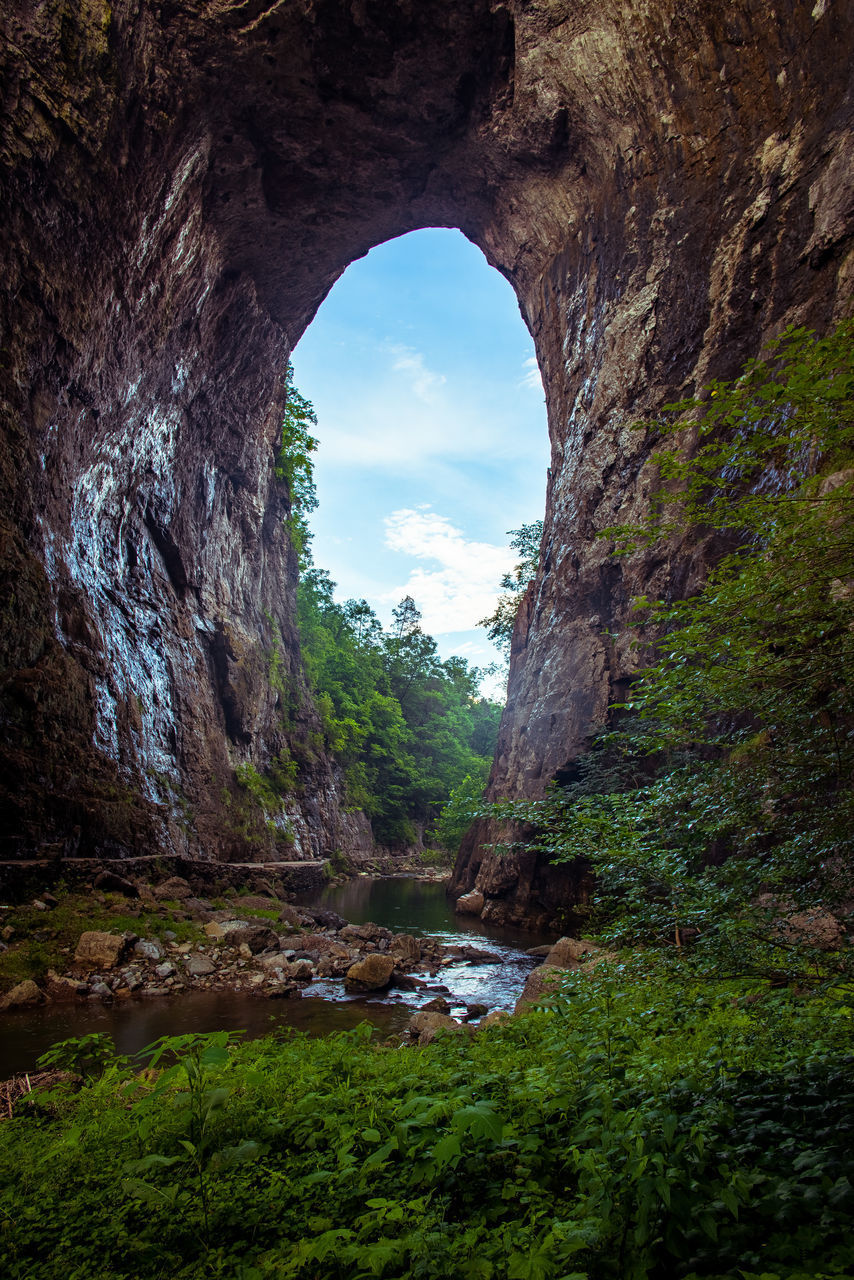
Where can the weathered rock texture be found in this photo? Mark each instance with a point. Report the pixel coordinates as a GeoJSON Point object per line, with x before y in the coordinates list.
{"type": "Point", "coordinates": [665, 183]}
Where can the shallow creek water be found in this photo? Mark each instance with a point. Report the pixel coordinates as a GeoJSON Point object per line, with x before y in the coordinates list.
{"type": "Point", "coordinates": [404, 904]}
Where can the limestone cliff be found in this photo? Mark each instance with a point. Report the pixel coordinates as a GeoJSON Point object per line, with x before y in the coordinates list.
{"type": "Point", "coordinates": [664, 184]}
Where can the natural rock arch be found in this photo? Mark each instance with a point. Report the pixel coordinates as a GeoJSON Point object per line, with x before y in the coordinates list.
{"type": "Point", "coordinates": [664, 186]}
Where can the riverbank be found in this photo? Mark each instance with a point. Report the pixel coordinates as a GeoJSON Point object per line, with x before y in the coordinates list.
{"type": "Point", "coordinates": [129, 955]}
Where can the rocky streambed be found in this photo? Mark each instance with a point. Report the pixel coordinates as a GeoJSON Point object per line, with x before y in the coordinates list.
{"type": "Point", "coordinates": [204, 963]}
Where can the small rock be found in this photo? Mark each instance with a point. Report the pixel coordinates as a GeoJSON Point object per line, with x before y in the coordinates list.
{"type": "Point", "coordinates": [198, 966]}
{"type": "Point", "coordinates": [24, 993]}
{"type": "Point", "coordinates": [100, 950]}
{"type": "Point", "coordinates": [169, 935]}
{"type": "Point", "coordinates": [198, 907]}
{"type": "Point", "coordinates": [542, 982]}
{"type": "Point", "coordinates": [576, 953]}
{"type": "Point", "coordinates": [155, 991]}
{"type": "Point", "coordinates": [8, 933]}
{"type": "Point", "coordinates": [175, 888]}
{"type": "Point", "coordinates": [214, 930]}
{"type": "Point", "coordinates": [49, 900]}
{"type": "Point", "coordinates": [258, 902]}
{"type": "Point", "coordinates": [256, 937]}
{"type": "Point", "coordinates": [369, 932]}
{"type": "Point", "coordinates": [437, 1005]}
{"type": "Point", "coordinates": [476, 1011]}
{"type": "Point", "coordinates": [109, 882]}
{"type": "Point", "coordinates": [539, 952]}
{"type": "Point", "coordinates": [39, 905]}
{"type": "Point", "coordinates": [100, 991]}
{"type": "Point", "coordinates": [164, 970]}
{"type": "Point", "coordinates": [245, 951]}
{"type": "Point", "coordinates": [372, 973]}
{"type": "Point", "coordinates": [149, 949]}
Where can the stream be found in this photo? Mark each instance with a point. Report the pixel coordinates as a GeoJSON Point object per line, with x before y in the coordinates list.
{"type": "Point", "coordinates": [404, 904]}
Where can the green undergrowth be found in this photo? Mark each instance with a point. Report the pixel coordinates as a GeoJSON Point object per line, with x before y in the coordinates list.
{"type": "Point", "coordinates": [45, 940]}
{"type": "Point", "coordinates": [647, 1124]}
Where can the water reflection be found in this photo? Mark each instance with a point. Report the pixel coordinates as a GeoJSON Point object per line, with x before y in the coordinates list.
{"type": "Point", "coordinates": [408, 905]}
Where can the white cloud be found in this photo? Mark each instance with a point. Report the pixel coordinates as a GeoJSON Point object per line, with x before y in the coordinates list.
{"type": "Point", "coordinates": [424, 382]}
{"type": "Point", "coordinates": [464, 588]}
{"type": "Point", "coordinates": [531, 377]}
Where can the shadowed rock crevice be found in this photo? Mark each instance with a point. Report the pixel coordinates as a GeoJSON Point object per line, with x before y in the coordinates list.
{"type": "Point", "coordinates": [665, 186]}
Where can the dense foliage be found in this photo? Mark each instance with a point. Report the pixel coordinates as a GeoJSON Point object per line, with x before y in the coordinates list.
{"type": "Point", "coordinates": [407, 727]}
{"type": "Point", "coordinates": [639, 1129]}
{"type": "Point", "coordinates": [722, 806]}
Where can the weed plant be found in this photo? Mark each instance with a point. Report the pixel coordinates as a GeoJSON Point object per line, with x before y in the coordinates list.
{"type": "Point", "coordinates": [638, 1128]}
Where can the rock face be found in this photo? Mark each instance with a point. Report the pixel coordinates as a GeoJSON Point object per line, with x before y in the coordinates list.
{"type": "Point", "coordinates": [665, 183]}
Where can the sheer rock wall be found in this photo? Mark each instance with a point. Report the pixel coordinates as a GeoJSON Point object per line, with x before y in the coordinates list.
{"type": "Point", "coordinates": [182, 183]}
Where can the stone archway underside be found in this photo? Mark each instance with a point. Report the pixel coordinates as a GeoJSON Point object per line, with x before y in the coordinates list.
{"type": "Point", "coordinates": [664, 184]}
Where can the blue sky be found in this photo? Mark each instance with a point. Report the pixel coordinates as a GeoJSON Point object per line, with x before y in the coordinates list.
{"type": "Point", "coordinates": [432, 432]}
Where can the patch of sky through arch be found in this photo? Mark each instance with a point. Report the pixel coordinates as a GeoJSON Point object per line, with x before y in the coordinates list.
{"type": "Point", "coordinates": [432, 429]}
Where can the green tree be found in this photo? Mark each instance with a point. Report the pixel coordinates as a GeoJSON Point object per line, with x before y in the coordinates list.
{"type": "Point", "coordinates": [499, 625]}
{"type": "Point", "coordinates": [726, 806]}
{"type": "Point", "coordinates": [294, 468]}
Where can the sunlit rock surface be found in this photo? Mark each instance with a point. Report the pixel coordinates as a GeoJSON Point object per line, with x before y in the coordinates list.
{"type": "Point", "coordinates": [665, 185]}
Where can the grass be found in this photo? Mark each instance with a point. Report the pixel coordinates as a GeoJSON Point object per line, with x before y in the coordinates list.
{"type": "Point", "coordinates": [47, 939]}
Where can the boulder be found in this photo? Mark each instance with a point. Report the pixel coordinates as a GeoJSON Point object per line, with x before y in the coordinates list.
{"type": "Point", "coordinates": [257, 937]}
{"type": "Point", "coordinates": [372, 973]}
{"type": "Point", "coordinates": [577, 953]}
{"type": "Point", "coordinates": [470, 904]}
{"type": "Point", "coordinates": [109, 882]}
{"type": "Point", "coordinates": [405, 948]}
{"type": "Point", "coordinates": [476, 1011]}
{"type": "Point", "coordinates": [199, 908]}
{"type": "Point", "coordinates": [175, 888]}
{"type": "Point", "coordinates": [326, 919]}
{"type": "Point", "coordinates": [24, 993]}
{"type": "Point", "coordinates": [99, 950]}
{"type": "Point", "coordinates": [424, 1027]}
{"type": "Point", "coordinates": [542, 983]}
{"type": "Point", "coordinates": [494, 1019]}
